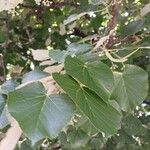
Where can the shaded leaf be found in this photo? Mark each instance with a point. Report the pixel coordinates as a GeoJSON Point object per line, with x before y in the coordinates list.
{"type": "Point", "coordinates": [77, 138]}
{"type": "Point", "coordinates": [3, 35]}
{"type": "Point", "coordinates": [131, 87]}
{"type": "Point", "coordinates": [96, 22]}
{"type": "Point", "coordinates": [133, 126]}
{"type": "Point", "coordinates": [98, 141]}
{"type": "Point", "coordinates": [132, 28]}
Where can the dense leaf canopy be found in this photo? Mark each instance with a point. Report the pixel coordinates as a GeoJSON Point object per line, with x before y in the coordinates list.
{"type": "Point", "coordinates": [75, 74]}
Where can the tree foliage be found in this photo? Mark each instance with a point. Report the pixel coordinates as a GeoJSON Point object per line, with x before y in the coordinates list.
{"type": "Point", "coordinates": [75, 74]}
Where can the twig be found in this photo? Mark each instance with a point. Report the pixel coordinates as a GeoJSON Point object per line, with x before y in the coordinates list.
{"type": "Point", "coordinates": [112, 23]}
{"type": "Point", "coordinates": [119, 60]}
{"type": "Point", "coordinates": [102, 40]}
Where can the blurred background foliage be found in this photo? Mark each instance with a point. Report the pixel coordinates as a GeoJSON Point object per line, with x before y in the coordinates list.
{"type": "Point", "coordinates": [55, 25]}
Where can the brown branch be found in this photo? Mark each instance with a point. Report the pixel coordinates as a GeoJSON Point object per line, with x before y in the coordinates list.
{"type": "Point", "coordinates": [112, 23]}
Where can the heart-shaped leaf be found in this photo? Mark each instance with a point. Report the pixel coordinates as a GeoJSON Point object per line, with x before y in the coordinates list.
{"type": "Point", "coordinates": [131, 87]}
{"type": "Point", "coordinates": [95, 75]}
{"type": "Point", "coordinates": [34, 75]}
{"type": "Point", "coordinates": [38, 114]}
{"type": "Point", "coordinates": [103, 116]}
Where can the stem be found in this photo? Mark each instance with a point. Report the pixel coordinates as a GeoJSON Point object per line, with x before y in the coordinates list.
{"type": "Point", "coordinates": [112, 23]}
{"type": "Point", "coordinates": [119, 60]}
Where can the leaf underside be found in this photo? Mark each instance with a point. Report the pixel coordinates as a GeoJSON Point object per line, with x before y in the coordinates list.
{"type": "Point", "coordinates": [40, 115]}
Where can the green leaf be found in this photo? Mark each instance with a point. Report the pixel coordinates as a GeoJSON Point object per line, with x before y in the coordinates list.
{"type": "Point", "coordinates": [2, 36]}
{"type": "Point", "coordinates": [3, 111]}
{"type": "Point", "coordinates": [8, 86]}
{"type": "Point", "coordinates": [98, 141]}
{"type": "Point", "coordinates": [82, 51]}
{"type": "Point", "coordinates": [73, 49]}
{"type": "Point", "coordinates": [133, 126]}
{"type": "Point", "coordinates": [103, 116]}
{"type": "Point", "coordinates": [146, 146]}
{"type": "Point", "coordinates": [38, 114]}
{"type": "Point", "coordinates": [85, 124]}
{"type": "Point", "coordinates": [34, 75]}
{"type": "Point", "coordinates": [76, 49]}
{"type": "Point", "coordinates": [89, 57]}
{"type": "Point", "coordinates": [62, 137]}
{"type": "Point", "coordinates": [131, 87]}
{"type": "Point", "coordinates": [95, 75]}
{"type": "Point", "coordinates": [132, 28]}
{"type": "Point", "coordinates": [77, 138]}
{"type": "Point", "coordinates": [57, 55]}
{"type": "Point", "coordinates": [96, 22]}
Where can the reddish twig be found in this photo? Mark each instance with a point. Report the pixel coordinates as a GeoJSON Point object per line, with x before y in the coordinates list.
{"type": "Point", "coordinates": [112, 23]}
